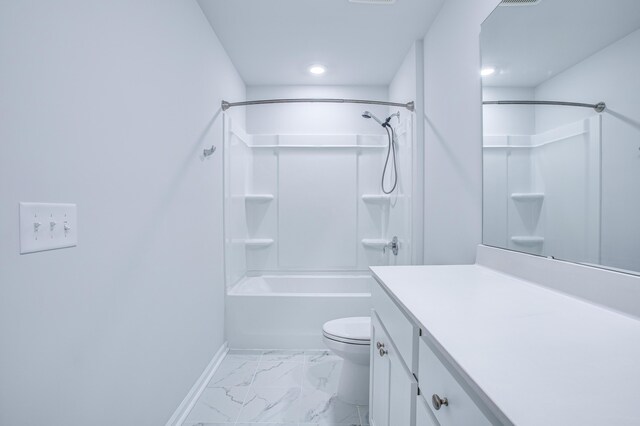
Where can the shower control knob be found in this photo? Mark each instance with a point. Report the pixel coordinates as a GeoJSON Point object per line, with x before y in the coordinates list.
{"type": "Point", "coordinates": [438, 402]}
{"type": "Point", "coordinates": [379, 345]}
{"type": "Point", "coordinates": [394, 245]}
{"type": "Point", "coordinates": [383, 351]}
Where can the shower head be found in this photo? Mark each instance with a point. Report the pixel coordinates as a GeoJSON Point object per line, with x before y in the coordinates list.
{"type": "Point", "coordinates": [367, 114]}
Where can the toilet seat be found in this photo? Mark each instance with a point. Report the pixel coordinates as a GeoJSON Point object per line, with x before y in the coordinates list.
{"type": "Point", "coordinates": [352, 331]}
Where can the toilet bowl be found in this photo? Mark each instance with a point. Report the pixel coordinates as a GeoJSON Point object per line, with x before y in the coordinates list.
{"type": "Point", "coordinates": [350, 339]}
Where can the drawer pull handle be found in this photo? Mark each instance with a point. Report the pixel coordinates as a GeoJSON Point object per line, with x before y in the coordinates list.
{"type": "Point", "coordinates": [383, 351]}
{"type": "Point", "coordinates": [439, 402]}
{"type": "Point", "coordinates": [379, 345]}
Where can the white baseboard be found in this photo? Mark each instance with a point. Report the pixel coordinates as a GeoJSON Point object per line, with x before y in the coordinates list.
{"type": "Point", "coordinates": [199, 386]}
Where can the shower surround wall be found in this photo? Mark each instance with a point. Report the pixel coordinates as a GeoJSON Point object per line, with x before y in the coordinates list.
{"type": "Point", "coordinates": [308, 176]}
{"type": "Point", "coordinates": [311, 203]}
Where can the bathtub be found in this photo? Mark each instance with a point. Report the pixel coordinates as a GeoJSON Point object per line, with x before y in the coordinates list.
{"type": "Point", "coordinates": [287, 311]}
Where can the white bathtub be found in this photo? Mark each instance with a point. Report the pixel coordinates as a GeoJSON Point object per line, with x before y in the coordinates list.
{"type": "Point", "coordinates": [287, 311]}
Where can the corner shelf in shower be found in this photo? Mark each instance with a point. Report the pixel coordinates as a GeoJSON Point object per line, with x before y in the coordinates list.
{"type": "Point", "coordinates": [375, 198]}
{"type": "Point", "coordinates": [256, 243]}
{"type": "Point", "coordinates": [527, 196]}
{"type": "Point", "coordinates": [258, 198]}
{"type": "Point", "coordinates": [527, 240]}
{"type": "Point", "coordinates": [376, 243]}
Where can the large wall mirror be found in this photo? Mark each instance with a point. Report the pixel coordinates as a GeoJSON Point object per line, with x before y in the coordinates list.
{"type": "Point", "coordinates": [561, 168]}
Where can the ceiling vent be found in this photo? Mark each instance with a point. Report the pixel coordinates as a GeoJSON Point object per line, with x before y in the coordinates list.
{"type": "Point", "coordinates": [373, 1]}
{"type": "Point", "coordinates": [519, 2]}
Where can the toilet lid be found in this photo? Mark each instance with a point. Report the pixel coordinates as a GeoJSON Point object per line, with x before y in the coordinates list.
{"type": "Point", "coordinates": [357, 329]}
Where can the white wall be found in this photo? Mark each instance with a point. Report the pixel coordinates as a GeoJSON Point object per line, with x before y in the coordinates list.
{"type": "Point", "coordinates": [453, 133]}
{"type": "Point", "coordinates": [314, 118]}
{"type": "Point", "coordinates": [508, 119]}
{"type": "Point", "coordinates": [610, 75]}
{"type": "Point", "coordinates": [108, 105]}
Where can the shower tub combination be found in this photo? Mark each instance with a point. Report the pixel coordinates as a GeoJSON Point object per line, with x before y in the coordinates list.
{"type": "Point", "coordinates": [305, 216]}
{"type": "Point", "coordinates": [287, 311]}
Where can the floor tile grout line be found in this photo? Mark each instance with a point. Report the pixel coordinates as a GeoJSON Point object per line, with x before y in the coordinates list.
{"type": "Point", "coordinates": [249, 388]}
{"type": "Point", "coordinates": [304, 371]}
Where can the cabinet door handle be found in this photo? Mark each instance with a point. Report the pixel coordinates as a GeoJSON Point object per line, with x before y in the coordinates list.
{"type": "Point", "coordinates": [379, 345]}
{"type": "Point", "coordinates": [438, 402]}
{"type": "Point", "coordinates": [383, 351]}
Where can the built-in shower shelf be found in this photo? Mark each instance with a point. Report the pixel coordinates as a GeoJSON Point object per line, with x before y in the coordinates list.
{"type": "Point", "coordinates": [258, 242]}
{"type": "Point", "coordinates": [376, 198]}
{"type": "Point", "coordinates": [276, 147]}
{"type": "Point", "coordinates": [376, 243]}
{"type": "Point", "coordinates": [527, 240]}
{"type": "Point", "coordinates": [527, 196]}
{"type": "Point", "coordinates": [258, 198]}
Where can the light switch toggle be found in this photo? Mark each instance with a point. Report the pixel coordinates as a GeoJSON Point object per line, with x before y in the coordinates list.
{"type": "Point", "coordinates": [47, 226]}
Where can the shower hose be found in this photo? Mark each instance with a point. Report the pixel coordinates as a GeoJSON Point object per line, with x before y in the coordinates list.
{"type": "Point", "coordinates": [392, 148]}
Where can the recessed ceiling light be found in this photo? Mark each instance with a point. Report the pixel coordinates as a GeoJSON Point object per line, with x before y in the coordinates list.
{"type": "Point", "coordinates": [487, 71]}
{"type": "Point", "coordinates": [317, 69]}
{"type": "Point", "coordinates": [519, 2]}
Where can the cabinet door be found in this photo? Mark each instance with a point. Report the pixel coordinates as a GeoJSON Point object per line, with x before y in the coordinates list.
{"type": "Point", "coordinates": [393, 387]}
{"type": "Point", "coordinates": [379, 385]}
{"type": "Point", "coordinates": [403, 391]}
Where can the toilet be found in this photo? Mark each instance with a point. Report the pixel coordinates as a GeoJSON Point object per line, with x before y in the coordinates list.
{"type": "Point", "coordinates": [350, 339]}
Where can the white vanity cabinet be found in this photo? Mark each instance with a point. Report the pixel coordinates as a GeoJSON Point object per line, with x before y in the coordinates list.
{"type": "Point", "coordinates": [404, 367]}
{"type": "Point", "coordinates": [474, 345]}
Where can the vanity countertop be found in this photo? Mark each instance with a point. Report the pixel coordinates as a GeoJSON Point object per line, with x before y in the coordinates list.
{"type": "Point", "coordinates": [542, 357]}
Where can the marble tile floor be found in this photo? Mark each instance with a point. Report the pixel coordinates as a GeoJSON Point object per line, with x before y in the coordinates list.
{"type": "Point", "coordinates": [274, 388]}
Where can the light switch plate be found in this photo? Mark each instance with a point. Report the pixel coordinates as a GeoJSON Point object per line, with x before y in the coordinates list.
{"type": "Point", "coordinates": [45, 226]}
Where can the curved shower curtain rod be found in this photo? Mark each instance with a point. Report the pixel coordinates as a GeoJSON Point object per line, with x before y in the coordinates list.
{"type": "Point", "coordinates": [226, 105]}
{"type": "Point", "coordinates": [599, 107]}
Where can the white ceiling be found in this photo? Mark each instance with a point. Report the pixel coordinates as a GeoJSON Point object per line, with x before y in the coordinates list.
{"type": "Point", "coordinates": [273, 42]}
{"type": "Point", "coordinates": [529, 44]}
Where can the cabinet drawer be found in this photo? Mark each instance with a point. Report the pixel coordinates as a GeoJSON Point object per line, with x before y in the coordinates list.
{"type": "Point", "coordinates": [403, 331]}
{"type": "Point", "coordinates": [435, 379]}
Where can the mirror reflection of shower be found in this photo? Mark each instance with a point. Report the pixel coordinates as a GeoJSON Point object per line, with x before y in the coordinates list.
{"type": "Point", "coordinates": [391, 135]}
